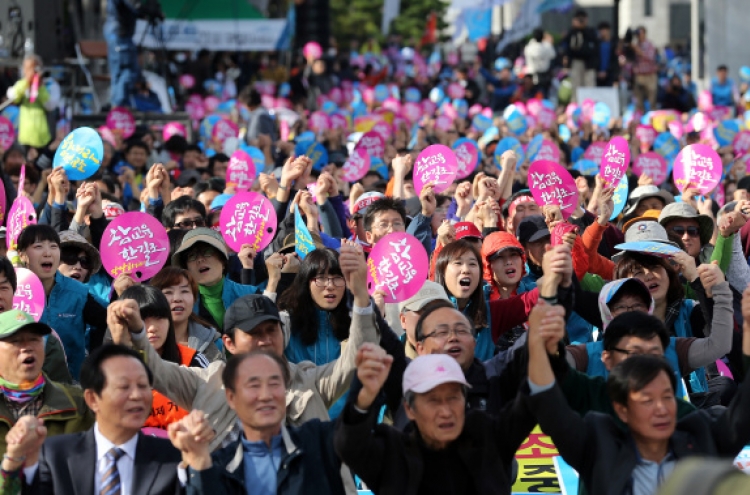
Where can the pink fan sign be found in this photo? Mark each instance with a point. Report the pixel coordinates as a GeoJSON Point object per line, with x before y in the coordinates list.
{"type": "Point", "coordinates": [7, 133]}
{"type": "Point", "coordinates": [746, 160]}
{"type": "Point", "coordinates": [392, 104]}
{"type": "Point", "coordinates": [651, 164]}
{"type": "Point", "coordinates": [120, 119]}
{"type": "Point", "coordinates": [436, 164]}
{"type": "Point", "coordinates": [29, 296]}
{"type": "Point", "coordinates": [194, 107]}
{"type": "Point", "coordinates": [248, 218]}
{"type": "Point", "coordinates": [2, 202]}
{"type": "Point", "coordinates": [211, 103]}
{"type": "Point", "coordinates": [240, 171]}
{"type": "Point", "coordinates": [428, 107]}
{"type": "Point", "coordinates": [173, 129]}
{"type": "Point", "coordinates": [443, 123]}
{"type": "Point", "coordinates": [546, 117]}
{"type": "Point", "coordinates": [646, 134]}
{"type": "Point", "coordinates": [615, 161]}
{"type": "Point", "coordinates": [699, 166]}
{"type": "Point", "coordinates": [134, 243]}
{"type": "Point", "coordinates": [356, 166]}
{"type": "Point", "coordinates": [187, 81]}
{"type": "Point", "coordinates": [548, 151]}
{"type": "Point", "coordinates": [456, 91]}
{"type": "Point", "coordinates": [595, 152]}
{"type": "Point", "coordinates": [396, 265]}
{"type": "Point", "coordinates": [741, 142]}
{"type": "Point", "coordinates": [676, 128]}
{"type": "Point", "coordinates": [373, 143]}
{"type": "Point", "coordinates": [411, 111]}
{"type": "Point", "coordinates": [551, 184]}
{"type": "Point", "coordinates": [107, 135]}
{"type": "Point", "coordinates": [319, 121]}
{"type": "Point", "coordinates": [338, 121]}
{"type": "Point", "coordinates": [312, 49]}
{"type": "Point", "coordinates": [383, 128]}
{"type": "Point", "coordinates": [21, 215]}
{"type": "Point", "coordinates": [467, 156]}
{"type": "Point", "coordinates": [224, 129]}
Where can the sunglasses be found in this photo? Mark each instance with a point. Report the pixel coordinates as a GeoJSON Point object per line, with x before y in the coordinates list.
{"type": "Point", "coordinates": [189, 224]}
{"type": "Point", "coordinates": [691, 231]}
{"type": "Point", "coordinates": [72, 258]}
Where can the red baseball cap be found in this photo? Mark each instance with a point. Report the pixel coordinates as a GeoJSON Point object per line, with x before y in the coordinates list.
{"type": "Point", "coordinates": [467, 229]}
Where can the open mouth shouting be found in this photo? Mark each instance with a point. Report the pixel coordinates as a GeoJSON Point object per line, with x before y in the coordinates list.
{"type": "Point", "coordinates": [46, 266]}
{"type": "Point", "coordinates": [77, 276]}
{"type": "Point", "coordinates": [465, 282]}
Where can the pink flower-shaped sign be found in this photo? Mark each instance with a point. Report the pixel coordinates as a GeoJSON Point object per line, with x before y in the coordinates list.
{"type": "Point", "coordinates": [224, 129]}
{"type": "Point", "coordinates": [240, 171]}
{"type": "Point", "coordinates": [29, 296]}
{"type": "Point", "coordinates": [21, 215]}
{"type": "Point", "coordinates": [437, 164]}
{"type": "Point", "coordinates": [356, 166]}
{"type": "Point", "coordinates": [248, 218]}
{"type": "Point", "coordinates": [551, 184]}
{"type": "Point", "coordinates": [134, 243]}
{"type": "Point", "coordinates": [651, 164]}
{"type": "Point", "coordinates": [615, 161]}
{"type": "Point", "coordinates": [120, 119]}
{"type": "Point", "coordinates": [699, 166]}
{"type": "Point", "coordinates": [595, 151]}
{"type": "Point", "coordinates": [396, 265]}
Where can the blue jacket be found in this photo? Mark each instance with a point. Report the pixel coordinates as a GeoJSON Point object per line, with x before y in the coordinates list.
{"type": "Point", "coordinates": [722, 94]}
{"type": "Point", "coordinates": [64, 313]}
{"type": "Point", "coordinates": [485, 346]}
{"type": "Point", "coordinates": [230, 293]}
{"type": "Point", "coordinates": [309, 465]}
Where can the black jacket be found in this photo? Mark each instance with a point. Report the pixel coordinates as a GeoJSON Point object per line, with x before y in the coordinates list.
{"type": "Point", "coordinates": [67, 464]}
{"type": "Point", "coordinates": [390, 462]}
{"type": "Point", "coordinates": [604, 455]}
{"type": "Point", "coordinates": [583, 44]}
{"type": "Point", "coordinates": [309, 465]}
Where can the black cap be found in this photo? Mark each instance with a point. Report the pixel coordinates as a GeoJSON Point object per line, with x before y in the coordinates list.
{"type": "Point", "coordinates": [248, 312]}
{"type": "Point", "coordinates": [532, 229]}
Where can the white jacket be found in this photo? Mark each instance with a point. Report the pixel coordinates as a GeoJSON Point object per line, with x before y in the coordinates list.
{"type": "Point", "coordinates": [538, 56]}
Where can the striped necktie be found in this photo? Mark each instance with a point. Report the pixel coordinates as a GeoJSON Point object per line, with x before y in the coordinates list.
{"type": "Point", "coordinates": [111, 477]}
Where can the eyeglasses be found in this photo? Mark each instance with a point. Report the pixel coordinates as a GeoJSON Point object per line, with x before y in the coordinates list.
{"type": "Point", "coordinates": [397, 225]}
{"type": "Point", "coordinates": [444, 332]}
{"type": "Point", "coordinates": [73, 258]}
{"type": "Point", "coordinates": [638, 352]}
{"type": "Point", "coordinates": [691, 231]}
{"type": "Point", "coordinates": [324, 281]}
{"type": "Point", "coordinates": [191, 224]}
{"type": "Point", "coordinates": [621, 308]}
{"type": "Point", "coordinates": [197, 253]}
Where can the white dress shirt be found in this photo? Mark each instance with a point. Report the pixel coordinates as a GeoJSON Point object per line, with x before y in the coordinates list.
{"type": "Point", "coordinates": [124, 463]}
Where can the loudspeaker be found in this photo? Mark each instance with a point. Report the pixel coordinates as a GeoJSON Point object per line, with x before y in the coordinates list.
{"type": "Point", "coordinates": [32, 22]}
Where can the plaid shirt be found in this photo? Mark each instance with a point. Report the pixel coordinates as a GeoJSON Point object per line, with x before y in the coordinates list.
{"type": "Point", "coordinates": [30, 408]}
{"type": "Point", "coordinates": [645, 62]}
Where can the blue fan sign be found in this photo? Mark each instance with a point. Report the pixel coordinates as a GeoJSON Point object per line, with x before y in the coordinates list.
{"type": "Point", "coordinates": [80, 153]}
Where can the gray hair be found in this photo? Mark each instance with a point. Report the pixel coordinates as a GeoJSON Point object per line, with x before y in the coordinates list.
{"type": "Point", "coordinates": [410, 396]}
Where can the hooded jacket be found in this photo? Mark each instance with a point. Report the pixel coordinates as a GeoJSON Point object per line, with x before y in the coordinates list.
{"type": "Point", "coordinates": [493, 243]}
{"type": "Point", "coordinates": [205, 340]}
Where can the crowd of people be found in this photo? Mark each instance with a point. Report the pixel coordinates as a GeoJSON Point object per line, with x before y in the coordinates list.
{"type": "Point", "coordinates": [273, 370]}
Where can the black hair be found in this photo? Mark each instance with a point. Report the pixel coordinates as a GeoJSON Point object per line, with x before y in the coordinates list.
{"type": "Point", "coordinates": [110, 183]}
{"type": "Point", "coordinates": [32, 174]}
{"type": "Point", "coordinates": [92, 374]}
{"type": "Point", "coordinates": [180, 206]}
{"type": "Point", "coordinates": [229, 374]}
{"type": "Point", "coordinates": [6, 268]}
{"type": "Point", "coordinates": [153, 304]}
{"type": "Point", "coordinates": [218, 157]}
{"type": "Point", "coordinates": [193, 147]}
{"type": "Point", "coordinates": [631, 262]}
{"type": "Point", "coordinates": [381, 205]}
{"type": "Point", "coordinates": [37, 233]}
{"type": "Point", "coordinates": [629, 290]}
{"type": "Point", "coordinates": [538, 35]}
{"type": "Point", "coordinates": [477, 310]}
{"type": "Point", "coordinates": [136, 144]}
{"type": "Point", "coordinates": [176, 144]}
{"type": "Point", "coordinates": [722, 67]}
{"type": "Point", "coordinates": [426, 310]}
{"type": "Point", "coordinates": [297, 299]}
{"type": "Point", "coordinates": [580, 13]}
{"type": "Point", "coordinates": [604, 25]}
{"type": "Point", "coordinates": [634, 374]}
{"type": "Point", "coordinates": [635, 324]}
{"type": "Point", "coordinates": [249, 96]}
{"type": "Point", "coordinates": [12, 151]}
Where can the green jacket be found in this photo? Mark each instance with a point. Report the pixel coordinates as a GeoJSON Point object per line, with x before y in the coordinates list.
{"type": "Point", "coordinates": [63, 411]}
{"type": "Point", "coordinates": [33, 129]}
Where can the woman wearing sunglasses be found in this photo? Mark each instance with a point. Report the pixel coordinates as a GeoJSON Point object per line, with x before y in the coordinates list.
{"type": "Point", "coordinates": [78, 258]}
{"type": "Point", "coordinates": [694, 229]}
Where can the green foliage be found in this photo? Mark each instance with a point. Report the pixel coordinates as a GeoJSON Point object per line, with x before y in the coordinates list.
{"type": "Point", "coordinates": [411, 22]}
{"type": "Point", "coordinates": [355, 20]}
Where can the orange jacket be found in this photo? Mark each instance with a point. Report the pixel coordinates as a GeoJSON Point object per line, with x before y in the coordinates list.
{"type": "Point", "coordinates": [163, 410]}
{"type": "Point", "coordinates": [598, 264]}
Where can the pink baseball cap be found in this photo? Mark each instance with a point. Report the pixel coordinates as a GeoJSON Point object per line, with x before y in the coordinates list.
{"type": "Point", "coordinates": [427, 372]}
{"type": "Point", "coordinates": [360, 206]}
{"type": "Point", "coordinates": [467, 229]}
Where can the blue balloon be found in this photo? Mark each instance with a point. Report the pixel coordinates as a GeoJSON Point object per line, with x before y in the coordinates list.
{"type": "Point", "coordinates": [534, 146]}
{"type": "Point", "coordinates": [413, 95]}
{"type": "Point", "coordinates": [667, 145]}
{"type": "Point", "coordinates": [356, 97]}
{"type": "Point", "coordinates": [225, 107]}
{"type": "Point", "coordinates": [515, 120]}
{"type": "Point", "coordinates": [437, 95]}
{"type": "Point", "coordinates": [210, 152]}
{"type": "Point", "coordinates": [481, 122]}
{"type": "Point", "coordinates": [329, 107]}
{"type": "Point", "coordinates": [745, 74]}
{"type": "Point", "coordinates": [576, 154]}
{"type": "Point", "coordinates": [509, 143]}
{"type": "Point", "coordinates": [80, 154]}
{"type": "Point", "coordinates": [725, 132]}
{"type": "Point", "coordinates": [395, 92]}
{"type": "Point", "coordinates": [303, 142]}
{"type": "Point", "coordinates": [586, 167]}
{"type": "Point", "coordinates": [564, 132]}
{"type": "Point", "coordinates": [602, 114]}
{"type": "Point", "coordinates": [318, 154]}
{"type": "Point", "coordinates": [11, 113]}
{"type": "Point", "coordinates": [620, 196]}
{"type": "Point", "coordinates": [381, 93]}
{"type": "Point", "coordinates": [259, 159]}
{"type": "Point", "coordinates": [359, 109]}
{"type": "Point", "coordinates": [379, 166]}
{"type": "Point", "coordinates": [284, 89]}
{"type": "Point", "coordinates": [462, 107]}
{"type": "Point", "coordinates": [490, 134]}
{"type": "Point", "coordinates": [502, 63]}
{"type": "Point", "coordinates": [207, 126]}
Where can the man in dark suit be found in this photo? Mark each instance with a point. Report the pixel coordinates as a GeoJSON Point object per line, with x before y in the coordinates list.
{"type": "Point", "coordinates": [113, 457]}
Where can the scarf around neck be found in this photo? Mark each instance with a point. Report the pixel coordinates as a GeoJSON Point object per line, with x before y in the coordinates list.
{"type": "Point", "coordinates": [24, 392]}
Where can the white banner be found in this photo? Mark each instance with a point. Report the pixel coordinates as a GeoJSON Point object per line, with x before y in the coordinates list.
{"type": "Point", "coordinates": [240, 35]}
